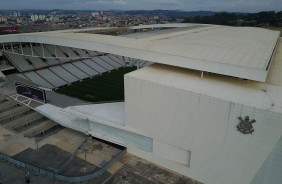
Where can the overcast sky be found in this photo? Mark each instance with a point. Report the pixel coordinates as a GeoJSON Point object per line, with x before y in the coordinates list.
{"type": "Point", "coordinates": [189, 5]}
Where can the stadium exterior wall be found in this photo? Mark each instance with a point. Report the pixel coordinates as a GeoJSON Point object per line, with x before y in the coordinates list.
{"type": "Point", "coordinates": [196, 135]}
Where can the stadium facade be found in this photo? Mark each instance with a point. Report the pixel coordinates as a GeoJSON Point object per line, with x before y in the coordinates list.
{"type": "Point", "coordinates": [210, 106]}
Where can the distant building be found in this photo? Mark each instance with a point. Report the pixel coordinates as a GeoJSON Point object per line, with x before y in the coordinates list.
{"type": "Point", "coordinates": [94, 14]}
{"type": "Point", "coordinates": [3, 19]}
{"type": "Point", "coordinates": [17, 14]}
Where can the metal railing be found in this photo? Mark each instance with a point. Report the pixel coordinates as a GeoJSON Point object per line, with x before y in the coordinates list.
{"type": "Point", "coordinates": [57, 176]}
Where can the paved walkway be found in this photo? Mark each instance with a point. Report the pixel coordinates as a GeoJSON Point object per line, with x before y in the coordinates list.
{"type": "Point", "coordinates": [139, 171]}
{"type": "Point", "coordinates": [13, 175]}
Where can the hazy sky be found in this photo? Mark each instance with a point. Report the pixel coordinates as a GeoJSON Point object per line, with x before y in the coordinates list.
{"type": "Point", "coordinates": [190, 5]}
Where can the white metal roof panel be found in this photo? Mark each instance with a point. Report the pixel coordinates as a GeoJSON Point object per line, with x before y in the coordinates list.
{"type": "Point", "coordinates": [275, 72]}
{"type": "Point", "coordinates": [251, 47]}
{"type": "Point", "coordinates": [243, 52]}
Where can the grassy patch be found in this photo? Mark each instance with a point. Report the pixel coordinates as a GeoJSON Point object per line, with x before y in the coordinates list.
{"type": "Point", "coordinates": [107, 87]}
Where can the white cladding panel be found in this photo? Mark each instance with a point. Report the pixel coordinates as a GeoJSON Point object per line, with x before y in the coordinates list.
{"type": "Point", "coordinates": [204, 125]}
{"type": "Point", "coordinates": [271, 170]}
{"type": "Point", "coordinates": [172, 153]}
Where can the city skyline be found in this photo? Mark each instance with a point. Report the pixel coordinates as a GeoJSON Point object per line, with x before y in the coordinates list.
{"type": "Point", "coordinates": [185, 5]}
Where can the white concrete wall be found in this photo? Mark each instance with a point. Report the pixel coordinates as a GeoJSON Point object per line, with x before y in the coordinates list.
{"type": "Point", "coordinates": [183, 122]}
{"type": "Point", "coordinates": [271, 170]}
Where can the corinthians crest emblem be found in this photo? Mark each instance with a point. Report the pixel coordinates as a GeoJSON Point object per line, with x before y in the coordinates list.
{"type": "Point", "coordinates": [245, 126]}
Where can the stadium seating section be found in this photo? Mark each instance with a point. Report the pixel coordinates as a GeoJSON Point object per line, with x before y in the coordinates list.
{"type": "Point", "coordinates": [53, 66]}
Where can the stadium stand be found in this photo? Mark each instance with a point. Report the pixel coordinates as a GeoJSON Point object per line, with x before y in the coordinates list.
{"type": "Point", "coordinates": [110, 61]}
{"type": "Point", "coordinates": [85, 68]}
{"type": "Point", "coordinates": [56, 51]}
{"type": "Point", "coordinates": [16, 50]}
{"type": "Point", "coordinates": [49, 61]}
{"type": "Point", "coordinates": [26, 51]}
{"type": "Point", "coordinates": [22, 76]}
{"type": "Point", "coordinates": [67, 73]}
{"type": "Point", "coordinates": [61, 72]}
{"type": "Point", "coordinates": [36, 62]}
{"type": "Point", "coordinates": [40, 129]}
{"type": "Point", "coordinates": [11, 114]}
{"type": "Point", "coordinates": [2, 98]}
{"type": "Point", "coordinates": [22, 118]}
{"type": "Point", "coordinates": [37, 50]}
{"type": "Point", "coordinates": [51, 77]}
{"type": "Point", "coordinates": [34, 77]}
{"type": "Point", "coordinates": [75, 71]}
{"type": "Point", "coordinates": [91, 53]}
{"type": "Point", "coordinates": [102, 63]}
{"type": "Point", "coordinates": [81, 52]}
{"type": "Point", "coordinates": [46, 70]}
{"type": "Point", "coordinates": [68, 51]}
{"type": "Point", "coordinates": [19, 62]}
{"type": "Point", "coordinates": [94, 65]}
{"type": "Point", "coordinates": [7, 105]}
{"type": "Point", "coordinates": [24, 121]}
{"type": "Point", "coordinates": [116, 59]}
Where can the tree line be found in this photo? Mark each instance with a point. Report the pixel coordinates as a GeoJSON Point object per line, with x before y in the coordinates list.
{"type": "Point", "coordinates": [265, 18]}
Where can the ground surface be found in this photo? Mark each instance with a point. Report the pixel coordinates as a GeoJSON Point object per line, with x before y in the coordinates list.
{"type": "Point", "coordinates": [14, 175]}
{"type": "Point", "coordinates": [107, 87]}
{"type": "Point", "coordinates": [133, 170]}
{"type": "Point", "coordinates": [139, 171]}
{"type": "Point", "coordinates": [53, 153]}
{"type": "Point", "coordinates": [52, 158]}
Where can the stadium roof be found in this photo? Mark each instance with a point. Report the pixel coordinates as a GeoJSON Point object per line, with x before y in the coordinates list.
{"type": "Point", "coordinates": [242, 52]}
{"type": "Point", "coordinates": [251, 93]}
